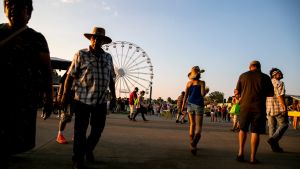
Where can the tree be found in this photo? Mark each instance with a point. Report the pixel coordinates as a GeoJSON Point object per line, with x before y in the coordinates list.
{"type": "Point", "coordinates": [159, 100]}
{"type": "Point", "coordinates": [216, 96]}
{"type": "Point", "coordinates": [169, 100]}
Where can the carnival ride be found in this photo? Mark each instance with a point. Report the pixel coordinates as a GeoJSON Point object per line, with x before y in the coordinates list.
{"type": "Point", "coordinates": [132, 66]}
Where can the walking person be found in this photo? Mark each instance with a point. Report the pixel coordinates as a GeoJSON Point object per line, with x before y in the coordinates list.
{"type": "Point", "coordinates": [213, 113]}
{"type": "Point", "coordinates": [224, 113]}
{"type": "Point", "coordinates": [27, 80]}
{"type": "Point", "coordinates": [132, 103]}
{"type": "Point", "coordinates": [277, 111]}
{"type": "Point", "coordinates": [182, 119]}
{"type": "Point", "coordinates": [253, 87]}
{"type": "Point", "coordinates": [141, 106]}
{"type": "Point", "coordinates": [194, 98]}
{"type": "Point", "coordinates": [66, 111]}
{"type": "Point", "coordinates": [179, 104]}
{"type": "Point", "coordinates": [92, 72]}
{"type": "Point", "coordinates": [235, 113]}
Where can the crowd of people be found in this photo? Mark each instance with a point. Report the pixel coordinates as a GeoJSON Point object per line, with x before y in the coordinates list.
{"type": "Point", "coordinates": [258, 97]}
{"type": "Point", "coordinates": [219, 113]}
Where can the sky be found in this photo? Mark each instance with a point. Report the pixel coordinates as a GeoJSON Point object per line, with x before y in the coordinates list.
{"type": "Point", "coordinates": [220, 36]}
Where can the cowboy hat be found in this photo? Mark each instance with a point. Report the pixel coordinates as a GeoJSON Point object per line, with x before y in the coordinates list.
{"type": "Point", "coordinates": [195, 72]}
{"type": "Point", "coordinates": [274, 71]}
{"type": "Point", "coordinates": [98, 32]}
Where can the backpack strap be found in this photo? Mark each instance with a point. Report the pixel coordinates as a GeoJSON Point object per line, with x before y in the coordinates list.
{"type": "Point", "coordinates": [13, 35]}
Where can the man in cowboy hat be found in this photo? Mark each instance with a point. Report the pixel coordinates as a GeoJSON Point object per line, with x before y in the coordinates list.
{"type": "Point", "coordinates": [90, 74]}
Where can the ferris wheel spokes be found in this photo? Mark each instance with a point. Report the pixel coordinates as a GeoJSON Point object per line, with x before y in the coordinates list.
{"type": "Point", "coordinates": [132, 66]}
{"type": "Point", "coordinates": [140, 68]}
{"type": "Point", "coordinates": [136, 82]}
{"type": "Point", "coordinates": [133, 61]}
{"type": "Point", "coordinates": [126, 88]}
{"type": "Point", "coordinates": [142, 79]}
{"type": "Point", "coordinates": [138, 63]}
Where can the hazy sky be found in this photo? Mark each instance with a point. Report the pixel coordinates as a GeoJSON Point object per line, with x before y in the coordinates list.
{"type": "Point", "coordinates": [220, 36]}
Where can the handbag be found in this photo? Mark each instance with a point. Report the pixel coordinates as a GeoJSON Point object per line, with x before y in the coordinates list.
{"type": "Point", "coordinates": [136, 102]}
{"type": "Point", "coordinates": [235, 109]}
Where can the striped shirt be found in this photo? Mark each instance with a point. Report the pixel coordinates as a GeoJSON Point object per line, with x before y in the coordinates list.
{"type": "Point", "coordinates": [273, 106]}
{"type": "Point", "coordinates": [92, 75]}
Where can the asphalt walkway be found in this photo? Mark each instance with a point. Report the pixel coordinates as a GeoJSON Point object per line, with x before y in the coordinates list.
{"type": "Point", "coordinates": [157, 144]}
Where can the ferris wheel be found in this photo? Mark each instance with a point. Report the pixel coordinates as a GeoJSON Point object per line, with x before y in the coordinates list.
{"type": "Point", "coordinates": [132, 66]}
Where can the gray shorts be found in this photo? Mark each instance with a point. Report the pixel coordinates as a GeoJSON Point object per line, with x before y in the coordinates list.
{"type": "Point", "coordinates": [194, 109]}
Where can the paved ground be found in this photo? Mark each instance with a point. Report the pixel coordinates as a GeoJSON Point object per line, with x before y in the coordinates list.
{"type": "Point", "coordinates": [156, 144]}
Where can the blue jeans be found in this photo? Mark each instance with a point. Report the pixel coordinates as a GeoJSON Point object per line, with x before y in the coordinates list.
{"type": "Point", "coordinates": [85, 115]}
{"type": "Point", "coordinates": [277, 126]}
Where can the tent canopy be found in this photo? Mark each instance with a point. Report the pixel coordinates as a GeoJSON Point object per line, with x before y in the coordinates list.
{"type": "Point", "coordinates": [58, 63]}
{"type": "Point", "coordinates": [296, 97]}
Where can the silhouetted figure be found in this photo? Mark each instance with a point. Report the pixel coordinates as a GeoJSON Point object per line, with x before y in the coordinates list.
{"type": "Point", "coordinates": [26, 80]}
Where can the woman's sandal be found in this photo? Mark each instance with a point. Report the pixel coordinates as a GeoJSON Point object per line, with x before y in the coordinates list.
{"type": "Point", "coordinates": [240, 158]}
{"type": "Point", "coordinates": [255, 161]}
{"type": "Point", "coordinates": [194, 151]}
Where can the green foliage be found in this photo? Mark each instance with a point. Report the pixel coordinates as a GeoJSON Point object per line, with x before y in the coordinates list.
{"type": "Point", "coordinates": [216, 96]}
{"type": "Point", "coordinates": [169, 100]}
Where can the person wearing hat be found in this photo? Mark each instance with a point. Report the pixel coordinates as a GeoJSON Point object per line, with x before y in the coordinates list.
{"type": "Point", "coordinates": [253, 87]}
{"type": "Point", "coordinates": [91, 73]}
{"type": "Point", "coordinates": [277, 111]}
{"type": "Point", "coordinates": [194, 98]}
{"type": "Point", "coordinates": [26, 80]}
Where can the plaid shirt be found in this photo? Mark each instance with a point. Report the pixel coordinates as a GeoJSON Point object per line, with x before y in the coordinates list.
{"type": "Point", "coordinates": [273, 107]}
{"type": "Point", "coordinates": [92, 75]}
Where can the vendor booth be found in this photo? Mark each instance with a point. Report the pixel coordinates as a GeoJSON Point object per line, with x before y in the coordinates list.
{"type": "Point", "coordinates": [294, 110]}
